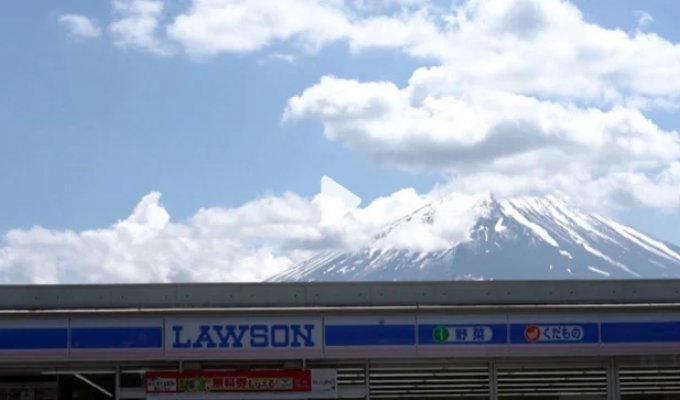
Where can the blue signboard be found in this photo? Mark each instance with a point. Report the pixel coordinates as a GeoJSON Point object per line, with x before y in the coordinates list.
{"type": "Point", "coordinates": [370, 335]}
{"type": "Point", "coordinates": [33, 338]}
{"type": "Point", "coordinates": [334, 335]}
{"type": "Point", "coordinates": [640, 332]}
{"type": "Point", "coordinates": [462, 334]}
{"type": "Point", "coordinates": [554, 333]}
{"type": "Point", "coordinates": [138, 337]}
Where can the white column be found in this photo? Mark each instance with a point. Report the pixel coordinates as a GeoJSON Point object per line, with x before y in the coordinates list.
{"type": "Point", "coordinates": [116, 393]}
{"type": "Point", "coordinates": [367, 381]}
{"type": "Point", "coordinates": [613, 380]}
{"type": "Point", "coordinates": [493, 382]}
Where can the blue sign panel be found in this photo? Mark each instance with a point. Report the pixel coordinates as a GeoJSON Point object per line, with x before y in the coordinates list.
{"type": "Point", "coordinates": [370, 335]}
{"type": "Point", "coordinates": [117, 338]}
{"type": "Point", "coordinates": [334, 336]}
{"type": "Point", "coordinates": [468, 334]}
{"type": "Point", "coordinates": [33, 338]}
{"type": "Point", "coordinates": [640, 332]}
{"type": "Point", "coordinates": [557, 333]}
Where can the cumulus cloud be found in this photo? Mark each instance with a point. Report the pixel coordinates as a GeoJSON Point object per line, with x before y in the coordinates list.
{"type": "Point", "coordinates": [526, 47]}
{"type": "Point", "coordinates": [206, 28]}
{"type": "Point", "coordinates": [530, 47]}
{"type": "Point", "coordinates": [246, 243]}
{"type": "Point", "coordinates": [603, 193]}
{"type": "Point", "coordinates": [525, 96]}
{"type": "Point", "coordinates": [494, 131]}
{"type": "Point", "coordinates": [137, 24]}
{"type": "Point", "coordinates": [546, 48]}
{"type": "Point", "coordinates": [210, 27]}
{"type": "Point", "coordinates": [213, 245]}
{"type": "Point", "coordinates": [80, 26]}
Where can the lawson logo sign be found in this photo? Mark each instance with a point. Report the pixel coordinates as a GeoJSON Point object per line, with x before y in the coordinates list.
{"type": "Point", "coordinates": [243, 334]}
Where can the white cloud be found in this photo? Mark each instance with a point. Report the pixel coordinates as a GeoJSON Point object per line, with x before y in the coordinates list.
{"type": "Point", "coordinates": [79, 26]}
{"type": "Point", "coordinates": [643, 18]}
{"type": "Point", "coordinates": [521, 46]}
{"type": "Point", "coordinates": [284, 57]}
{"type": "Point", "coordinates": [603, 193]}
{"type": "Point", "coordinates": [494, 132]}
{"type": "Point", "coordinates": [533, 47]}
{"type": "Point", "coordinates": [446, 219]}
{"type": "Point", "coordinates": [210, 27]}
{"type": "Point", "coordinates": [526, 47]}
{"type": "Point", "coordinates": [214, 245]}
{"type": "Point", "coordinates": [137, 25]}
{"type": "Point", "coordinates": [245, 243]}
{"type": "Point", "coordinates": [526, 96]}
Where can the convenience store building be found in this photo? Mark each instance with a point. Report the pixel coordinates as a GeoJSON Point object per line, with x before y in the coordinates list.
{"type": "Point", "coordinates": [417, 340]}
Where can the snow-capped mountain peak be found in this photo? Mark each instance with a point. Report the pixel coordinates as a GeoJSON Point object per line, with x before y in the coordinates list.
{"type": "Point", "coordinates": [480, 237]}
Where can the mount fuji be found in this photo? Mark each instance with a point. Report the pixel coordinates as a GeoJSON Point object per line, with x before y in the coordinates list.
{"type": "Point", "coordinates": [515, 238]}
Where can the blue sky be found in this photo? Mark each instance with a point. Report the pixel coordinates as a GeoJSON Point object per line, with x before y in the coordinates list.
{"type": "Point", "coordinates": [90, 128]}
{"type": "Point", "coordinates": [91, 123]}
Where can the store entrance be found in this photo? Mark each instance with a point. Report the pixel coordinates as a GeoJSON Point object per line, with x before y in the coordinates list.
{"type": "Point", "coordinates": [50, 385]}
{"type": "Point", "coordinates": [27, 387]}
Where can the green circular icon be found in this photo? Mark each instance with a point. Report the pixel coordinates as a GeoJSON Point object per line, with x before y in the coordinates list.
{"type": "Point", "coordinates": [440, 334]}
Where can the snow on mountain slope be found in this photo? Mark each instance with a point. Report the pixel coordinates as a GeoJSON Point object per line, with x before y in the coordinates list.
{"type": "Point", "coordinates": [517, 238]}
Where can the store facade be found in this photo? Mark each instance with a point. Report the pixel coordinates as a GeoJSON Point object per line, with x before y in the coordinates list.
{"type": "Point", "coordinates": [464, 340]}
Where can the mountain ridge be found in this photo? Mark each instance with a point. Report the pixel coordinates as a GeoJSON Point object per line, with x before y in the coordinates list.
{"type": "Point", "coordinates": [516, 238]}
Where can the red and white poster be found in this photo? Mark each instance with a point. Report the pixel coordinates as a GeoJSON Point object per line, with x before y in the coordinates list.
{"type": "Point", "coordinates": [247, 384]}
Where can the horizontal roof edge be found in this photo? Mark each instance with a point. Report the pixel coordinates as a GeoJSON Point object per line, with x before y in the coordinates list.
{"type": "Point", "coordinates": [322, 294]}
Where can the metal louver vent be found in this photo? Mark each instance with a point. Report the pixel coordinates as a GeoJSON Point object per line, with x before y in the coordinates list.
{"type": "Point", "coordinates": [427, 381]}
{"type": "Point", "coordinates": [549, 382]}
{"type": "Point", "coordinates": [649, 380]}
{"type": "Point", "coordinates": [351, 376]}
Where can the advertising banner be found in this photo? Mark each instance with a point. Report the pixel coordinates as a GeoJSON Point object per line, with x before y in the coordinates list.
{"type": "Point", "coordinates": [247, 384]}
